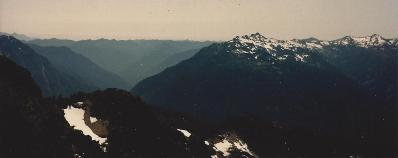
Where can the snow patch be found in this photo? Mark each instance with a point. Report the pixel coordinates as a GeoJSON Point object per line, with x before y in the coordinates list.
{"type": "Point", "coordinates": [223, 146]}
{"type": "Point", "coordinates": [243, 147]}
{"type": "Point", "coordinates": [75, 117]}
{"type": "Point", "coordinates": [184, 132]}
{"type": "Point", "coordinates": [93, 119]}
{"type": "Point", "coordinates": [214, 156]}
{"type": "Point", "coordinates": [227, 144]}
{"type": "Point", "coordinates": [299, 57]}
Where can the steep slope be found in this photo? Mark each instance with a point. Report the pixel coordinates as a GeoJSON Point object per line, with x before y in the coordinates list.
{"type": "Point", "coordinates": [176, 58]}
{"type": "Point", "coordinates": [132, 60]}
{"type": "Point", "coordinates": [75, 64]}
{"type": "Point", "coordinates": [49, 79]}
{"type": "Point", "coordinates": [370, 61]}
{"type": "Point", "coordinates": [30, 126]}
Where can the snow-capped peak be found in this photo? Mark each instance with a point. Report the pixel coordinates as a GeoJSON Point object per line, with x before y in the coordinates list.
{"type": "Point", "coordinates": [374, 40]}
{"type": "Point", "coordinates": [368, 41]}
{"type": "Point", "coordinates": [256, 41]}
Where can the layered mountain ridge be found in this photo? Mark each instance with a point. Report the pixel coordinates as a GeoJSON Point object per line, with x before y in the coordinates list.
{"type": "Point", "coordinates": [65, 60]}
{"type": "Point", "coordinates": [132, 60]}
{"type": "Point", "coordinates": [51, 81]}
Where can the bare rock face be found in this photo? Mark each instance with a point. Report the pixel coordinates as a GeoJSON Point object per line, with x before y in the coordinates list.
{"type": "Point", "coordinates": [99, 127]}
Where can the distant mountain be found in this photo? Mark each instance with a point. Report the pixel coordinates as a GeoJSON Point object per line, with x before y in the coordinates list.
{"type": "Point", "coordinates": [278, 79]}
{"type": "Point", "coordinates": [52, 42]}
{"type": "Point", "coordinates": [167, 62]}
{"type": "Point", "coordinates": [133, 60]}
{"type": "Point", "coordinates": [51, 81]}
{"type": "Point", "coordinates": [155, 63]}
{"type": "Point", "coordinates": [21, 37]}
{"type": "Point", "coordinates": [75, 64]}
{"type": "Point", "coordinates": [178, 57]}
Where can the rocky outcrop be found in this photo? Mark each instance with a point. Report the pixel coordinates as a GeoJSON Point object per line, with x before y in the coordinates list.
{"type": "Point", "coordinates": [99, 127]}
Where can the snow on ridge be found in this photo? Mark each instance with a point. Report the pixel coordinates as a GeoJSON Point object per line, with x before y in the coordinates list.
{"type": "Point", "coordinates": [75, 117]}
{"type": "Point", "coordinates": [256, 41]}
{"type": "Point", "coordinates": [367, 41]}
{"type": "Point", "coordinates": [243, 147]}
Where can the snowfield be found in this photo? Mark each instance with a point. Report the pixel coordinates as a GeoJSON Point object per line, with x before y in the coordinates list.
{"type": "Point", "coordinates": [225, 146]}
{"type": "Point", "coordinates": [75, 118]}
{"type": "Point", "coordinates": [184, 132]}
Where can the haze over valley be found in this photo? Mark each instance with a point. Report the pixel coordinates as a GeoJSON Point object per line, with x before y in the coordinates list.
{"type": "Point", "coordinates": [206, 79]}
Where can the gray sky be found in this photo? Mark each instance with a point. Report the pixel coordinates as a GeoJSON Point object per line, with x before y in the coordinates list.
{"type": "Point", "coordinates": [198, 19]}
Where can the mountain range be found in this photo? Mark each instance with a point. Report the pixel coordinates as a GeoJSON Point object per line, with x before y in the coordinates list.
{"type": "Point", "coordinates": [251, 96]}
{"type": "Point", "coordinates": [132, 60]}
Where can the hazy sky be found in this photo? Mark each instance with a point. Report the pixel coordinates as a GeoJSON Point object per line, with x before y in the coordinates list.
{"type": "Point", "coordinates": [199, 19]}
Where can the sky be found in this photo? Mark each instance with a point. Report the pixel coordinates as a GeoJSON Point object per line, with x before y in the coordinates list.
{"type": "Point", "coordinates": [198, 19]}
